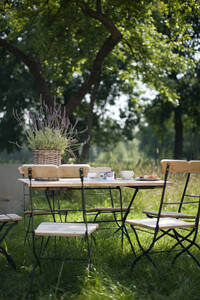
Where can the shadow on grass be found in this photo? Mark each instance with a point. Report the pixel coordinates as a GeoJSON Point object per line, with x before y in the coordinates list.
{"type": "Point", "coordinates": [178, 281]}
{"type": "Point", "coordinates": [110, 276]}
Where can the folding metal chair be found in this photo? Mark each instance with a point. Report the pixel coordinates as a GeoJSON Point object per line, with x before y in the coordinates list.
{"type": "Point", "coordinates": [184, 233]}
{"type": "Point", "coordinates": [171, 207]}
{"type": "Point", "coordinates": [59, 228]}
{"type": "Point", "coordinates": [7, 221]}
{"type": "Point", "coordinates": [41, 172]}
{"type": "Point", "coordinates": [98, 195]}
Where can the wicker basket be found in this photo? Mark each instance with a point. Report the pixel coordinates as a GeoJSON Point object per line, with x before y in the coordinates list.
{"type": "Point", "coordinates": [52, 157]}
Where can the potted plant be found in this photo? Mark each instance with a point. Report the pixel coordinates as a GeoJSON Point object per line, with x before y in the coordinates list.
{"type": "Point", "coordinates": [47, 145]}
{"type": "Point", "coordinates": [50, 134]}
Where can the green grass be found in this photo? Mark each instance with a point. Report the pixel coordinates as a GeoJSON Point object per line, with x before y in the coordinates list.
{"type": "Point", "coordinates": [110, 276]}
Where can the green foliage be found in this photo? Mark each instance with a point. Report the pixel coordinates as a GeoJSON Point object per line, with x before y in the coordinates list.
{"type": "Point", "coordinates": [160, 116]}
{"type": "Point", "coordinates": [61, 28]}
{"type": "Point", "coordinates": [120, 154]}
{"type": "Point", "coordinates": [48, 138]}
{"type": "Point", "coordinates": [155, 35]}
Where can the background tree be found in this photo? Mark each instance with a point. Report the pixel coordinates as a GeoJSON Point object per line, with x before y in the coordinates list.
{"type": "Point", "coordinates": [17, 90]}
{"type": "Point", "coordinates": [178, 118]}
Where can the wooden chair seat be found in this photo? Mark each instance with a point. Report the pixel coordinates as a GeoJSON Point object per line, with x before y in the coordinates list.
{"type": "Point", "coordinates": [170, 214]}
{"type": "Point", "coordinates": [164, 223]}
{"type": "Point", "coordinates": [64, 229]}
{"type": "Point", "coordinates": [9, 218]}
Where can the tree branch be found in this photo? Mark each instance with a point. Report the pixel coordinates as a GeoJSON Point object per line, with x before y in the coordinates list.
{"type": "Point", "coordinates": [107, 47]}
{"type": "Point", "coordinates": [35, 69]}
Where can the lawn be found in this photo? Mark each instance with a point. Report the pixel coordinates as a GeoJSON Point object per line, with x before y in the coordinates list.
{"type": "Point", "coordinates": [110, 276]}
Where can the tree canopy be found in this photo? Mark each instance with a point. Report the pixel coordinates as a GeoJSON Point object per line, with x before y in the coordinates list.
{"type": "Point", "coordinates": [63, 42]}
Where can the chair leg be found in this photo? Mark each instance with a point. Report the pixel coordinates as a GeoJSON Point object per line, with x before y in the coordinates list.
{"type": "Point", "coordinates": [27, 230]}
{"type": "Point", "coordinates": [37, 256]}
{"type": "Point", "coordinates": [32, 276]}
{"type": "Point", "coordinates": [94, 240]}
{"type": "Point", "coordinates": [180, 239]}
{"type": "Point", "coordinates": [37, 263]}
{"type": "Point", "coordinates": [88, 250]}
{"type": "Point", "coordinates": [176, 236]}
{"type": "Point", "coordinates": [121, 207]}
{"type": "Point", "coordinates": [7, 227]}
{"type": "Point", "coordinates": [144, 252]}
{"type": "Point", "coordinates": [126, 214]}
{"type": "Point", "coordinates": [128, 237]}
{"type": "Point", "coordinates": [8, 257]}
{"type": "Point", "coordinates": [185, 249]}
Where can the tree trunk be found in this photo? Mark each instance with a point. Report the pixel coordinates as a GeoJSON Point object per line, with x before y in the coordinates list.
{"type": "Point", "coordinates": [178, 127]}
{"type": "Point", "coordinates": [86, 147]}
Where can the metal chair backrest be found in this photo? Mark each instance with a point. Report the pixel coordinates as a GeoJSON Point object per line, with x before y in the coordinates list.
{"type": "Point", "coordinates": [177, 166]}
{"type": "Point", "coordinates": [187, 199]}
{"type": "Point", "coordinates": [162, 197]}
{"type": "Point", "coordinates": [30, 172]}
{"type": "Point", "coordinates": [194, 168]}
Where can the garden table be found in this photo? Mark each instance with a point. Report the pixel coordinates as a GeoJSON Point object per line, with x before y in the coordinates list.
{"type": "Point", "coordinates": [75, 183]}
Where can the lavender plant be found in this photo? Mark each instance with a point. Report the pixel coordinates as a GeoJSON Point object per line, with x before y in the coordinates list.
{"type": "Point", "coordinates": [49, 128]}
